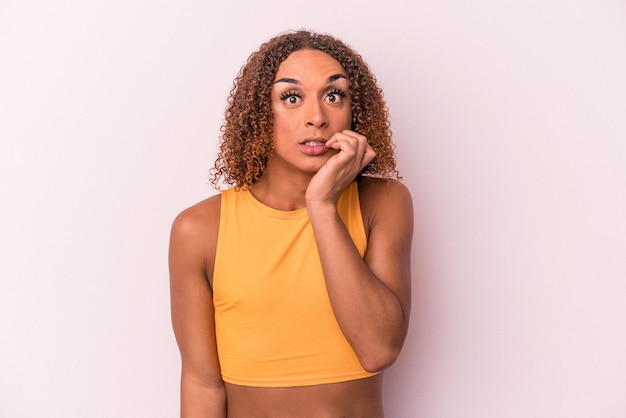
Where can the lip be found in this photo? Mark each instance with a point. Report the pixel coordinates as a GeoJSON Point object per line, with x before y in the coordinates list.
{"type": "Point", "coordinates": [313, 146]}
{"type": "Point", "coordinates": [314, 141]}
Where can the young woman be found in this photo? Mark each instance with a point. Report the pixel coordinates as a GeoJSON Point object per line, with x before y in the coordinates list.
{"type": "Point", "coordinates": [291, 290]}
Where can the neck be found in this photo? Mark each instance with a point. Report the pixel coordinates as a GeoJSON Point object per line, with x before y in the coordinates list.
{"type": "Point", "coordinates": [282, 192]}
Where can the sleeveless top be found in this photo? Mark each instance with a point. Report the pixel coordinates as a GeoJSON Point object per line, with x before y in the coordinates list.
{"type": "Point", "coordinates": [274, 323]}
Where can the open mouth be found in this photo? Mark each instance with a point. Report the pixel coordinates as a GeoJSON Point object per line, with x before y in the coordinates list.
{"type": "Point", "coordinates": [314, 146]}
{"type": "Point", "coordinates": [314, 143]}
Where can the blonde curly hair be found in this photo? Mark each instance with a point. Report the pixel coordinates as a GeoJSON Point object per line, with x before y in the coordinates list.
{"type": "Point", "coordinates": [246, 141]}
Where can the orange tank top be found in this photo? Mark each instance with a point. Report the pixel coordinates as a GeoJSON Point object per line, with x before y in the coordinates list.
{"type": "Point", "coordinates": [274, 323]}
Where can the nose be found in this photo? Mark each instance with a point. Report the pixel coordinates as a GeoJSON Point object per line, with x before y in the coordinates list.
{"type": "Point", "coordinates": [315, 115]}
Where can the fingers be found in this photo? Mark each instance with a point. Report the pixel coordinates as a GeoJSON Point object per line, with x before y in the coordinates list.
{"type": "Point", "coordinates": [352, 154]}
{"type": "Point", "coordinates": [353, 148]}
{"type": "Point", "coordinates": [368, 156]}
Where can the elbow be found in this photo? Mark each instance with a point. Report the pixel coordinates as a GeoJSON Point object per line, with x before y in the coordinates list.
{"type": "Point", "coordinates": [377, 360]}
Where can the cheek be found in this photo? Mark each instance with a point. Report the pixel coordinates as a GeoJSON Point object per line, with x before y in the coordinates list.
{"type": "Point", "coordinates": [281, 121]}
{"type": "Point", "coordinates": [285, 125]}
{"type": "Point", "coordinates": [346, 119]}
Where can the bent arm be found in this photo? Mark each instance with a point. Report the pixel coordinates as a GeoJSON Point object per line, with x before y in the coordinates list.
{"type": "Point", "coordinates": [370, 296]}
{"type": "Point", "coordinates": [202, 388]}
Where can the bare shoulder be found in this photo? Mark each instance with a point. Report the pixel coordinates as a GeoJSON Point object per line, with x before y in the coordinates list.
{"type": "Point", "coordinates": [199, 218]}
{"type": "Point", "coordinates": [193, 237]}
{"type": "Point", "coordinates": [384, 198]}
{"type": "Point", "coordinates": [382, 188]}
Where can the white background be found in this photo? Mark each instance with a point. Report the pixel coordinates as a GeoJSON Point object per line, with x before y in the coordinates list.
{"type": "Point", "coordinates": [509, 118]}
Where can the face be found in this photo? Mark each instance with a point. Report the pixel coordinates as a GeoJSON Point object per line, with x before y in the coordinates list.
{"type": "Point", "coordinates": [310, 102]}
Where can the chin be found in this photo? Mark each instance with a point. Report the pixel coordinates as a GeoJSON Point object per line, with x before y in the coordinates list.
{"type": "Point", "coordinates": [314, 166]}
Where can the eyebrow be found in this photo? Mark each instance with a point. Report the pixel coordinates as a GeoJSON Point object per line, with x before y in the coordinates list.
{"type": "Point", "coordinates": [332, 78]}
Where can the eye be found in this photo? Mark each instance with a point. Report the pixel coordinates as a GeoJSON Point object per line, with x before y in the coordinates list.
{"type": "Point", "coordinates": [291, 97]}
{"type": "Point", "coordinates": [335, 96]}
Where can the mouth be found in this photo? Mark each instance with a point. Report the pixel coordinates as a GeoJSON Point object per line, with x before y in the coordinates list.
{"type": "Point", "coordinates": [314, 146]}
{"type": "Point", "coordinates": [315, 142]}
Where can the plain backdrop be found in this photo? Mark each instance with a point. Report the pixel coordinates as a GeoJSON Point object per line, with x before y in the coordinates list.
{"type": "Point", "coordinates": [509, 119]}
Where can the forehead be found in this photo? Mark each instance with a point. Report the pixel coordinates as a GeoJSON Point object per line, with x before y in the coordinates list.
{"type": "Point", "coordinates": [309, 63]}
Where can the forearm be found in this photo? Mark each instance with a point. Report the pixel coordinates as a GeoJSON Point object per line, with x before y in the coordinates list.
{"type": "Point", "coordinates": [368, 312]}
{"type": "Point", "coordinates": [202, 400]}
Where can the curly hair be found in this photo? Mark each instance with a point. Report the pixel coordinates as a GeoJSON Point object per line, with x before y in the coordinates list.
{"type": "Point", "coordinates": [246, 140]}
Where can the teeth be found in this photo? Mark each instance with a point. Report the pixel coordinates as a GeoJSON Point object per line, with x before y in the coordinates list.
{"type": "Point", "coordinates": [314, 143]}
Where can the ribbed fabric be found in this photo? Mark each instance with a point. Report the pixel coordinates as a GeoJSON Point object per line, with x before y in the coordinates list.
{"type": "Point", "coordinates": [274, 323]}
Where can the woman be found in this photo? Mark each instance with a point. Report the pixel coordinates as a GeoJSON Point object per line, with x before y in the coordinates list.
{"type": "Point", "coordinates": [291, 290]}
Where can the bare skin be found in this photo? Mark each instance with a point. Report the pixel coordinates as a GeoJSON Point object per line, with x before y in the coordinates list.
{"type": "Point", "coordinates": [358, 398]}
{"type": "Point", "coordinates": [316, 157]}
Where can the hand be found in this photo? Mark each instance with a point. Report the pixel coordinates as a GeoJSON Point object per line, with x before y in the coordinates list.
{"type": "Point", "coordinates": [341, 169]}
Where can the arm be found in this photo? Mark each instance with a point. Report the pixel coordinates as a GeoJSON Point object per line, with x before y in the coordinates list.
{"type": "Point", "coordinates": [192, 249]}
{"type": "Point", "coordinates": [371, 296]}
